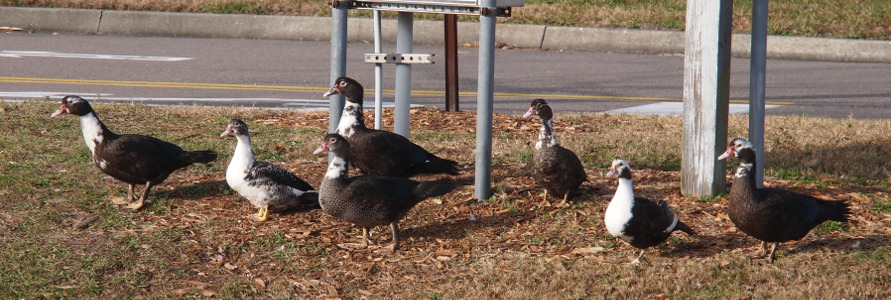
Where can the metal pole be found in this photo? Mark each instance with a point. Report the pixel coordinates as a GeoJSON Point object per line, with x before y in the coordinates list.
{"type": "Point", "coordinates": [758, 71]}
{"type": "Point", "coordinates": [451, 63]}
{"type": "Point", "coordinates": [486, 82]}
{"type": "Point", "coordinates": [339, 13]}
{"type": "Point", "coordinates": [378, 72]}
{"type": "Point", "coordinates": [404, 37]}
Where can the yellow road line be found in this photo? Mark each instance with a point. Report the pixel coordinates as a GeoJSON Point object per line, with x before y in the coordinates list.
{"type": "Point", "coordinates": [229, 86]}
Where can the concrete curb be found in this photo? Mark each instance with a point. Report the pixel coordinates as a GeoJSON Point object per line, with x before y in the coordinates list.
{"type": "Point", "coordinates": [425, 32]}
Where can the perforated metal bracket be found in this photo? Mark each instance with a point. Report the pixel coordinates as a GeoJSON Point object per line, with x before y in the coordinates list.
{"type": "Point", "coordinates": [398, 58]}
{"type": "Point", "coordinates": [458, 7]}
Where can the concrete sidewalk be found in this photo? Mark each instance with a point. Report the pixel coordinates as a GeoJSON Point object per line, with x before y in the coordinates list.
{"type": "Point", "coordinates": [425, 32]}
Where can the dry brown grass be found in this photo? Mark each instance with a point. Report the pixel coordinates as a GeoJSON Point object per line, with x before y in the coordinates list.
{"type": "Point", "coordinates": [867, 19]}
{"type": "Point", "coordinates": [195, 237]}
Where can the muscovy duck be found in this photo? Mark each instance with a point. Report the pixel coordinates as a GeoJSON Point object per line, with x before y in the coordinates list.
{"type": "Point", "coordinates": [370, 200]}
{"type": "Point", "coordinates": [555, 168]}
{"type": "Point", "coordinates": [773, 215]}
{"type": "Point", "coordinates": [131, 158]}
{"type": "Point", "coordinates": [641, 222]}
{"type": "Point", "coordinates": [377, 151]}
{"type": "Point", "coordinates": [266, 186]}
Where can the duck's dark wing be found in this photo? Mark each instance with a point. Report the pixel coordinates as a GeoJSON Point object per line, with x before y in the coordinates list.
{"type": "Point", "coordinates": [268, 174]}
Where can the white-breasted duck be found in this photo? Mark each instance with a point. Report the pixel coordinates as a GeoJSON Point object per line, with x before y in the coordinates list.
{"type": "Point", "coordinates": [131, 158]}
{"type": "Point", "coordinates": [377, 151]}
{"type": "Point", "coordinates": [769, 214]}
{"type": "Point", "coordinates": [370, 200]}
{"type": "Point", "coordinates": [558, 170]}
{"type": "Point", "coordinates": [641, 222]}
{"type": "Point", "coordinates": [266, 186]}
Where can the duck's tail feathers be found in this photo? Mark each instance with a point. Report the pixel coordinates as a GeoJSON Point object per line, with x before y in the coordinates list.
{"type": "Point", "coordinates": [438, 165]}
{"type": "Point", "coordinates": [435, 188]}
{"type": "Point", "coordinates": [310, 200]}
{"type": "Point", "coordinates": [683, 227]}
{"type": "Point", "coordinates": [205, 156]}
{"type": "Point", "coordinates": [835, 210]}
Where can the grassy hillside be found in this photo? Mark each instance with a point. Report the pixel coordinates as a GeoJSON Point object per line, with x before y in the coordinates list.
{"type": "Point", "coordinates": [862, 19]}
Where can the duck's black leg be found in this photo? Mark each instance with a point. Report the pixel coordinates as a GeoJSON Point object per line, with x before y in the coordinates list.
{"type": "Point", "coordinates": [138, 203]}
{"type": "Point", "coordinates": [394, 228]}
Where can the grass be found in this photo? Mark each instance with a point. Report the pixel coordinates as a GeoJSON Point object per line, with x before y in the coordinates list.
{"type": "Point", "coordinates": [195, 239]}
{"type": "Point", "coordinates": [867, 19]}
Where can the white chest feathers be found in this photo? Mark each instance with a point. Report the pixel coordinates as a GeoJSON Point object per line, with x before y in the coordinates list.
{"type": "Point", "coordinates": [238, 169]}
{"type": "Point", "coordinates": [743, 170]}
{"type": "Point", "coordinates": [92, 131]}
{"type": "Point", "coordinates": [348, 119]}
{"type": "Point", "coordinates": [337, 166]}
{"type": "Point", "coordinates": [618, 213]}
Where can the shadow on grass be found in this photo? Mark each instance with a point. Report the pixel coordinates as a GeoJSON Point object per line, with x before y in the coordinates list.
{"type": "Point", "coordinates": [194, 191]}
{"type": "Point", "coordinates": [869, 243]}
{"type": "Point", "coordinates": [861, 159]}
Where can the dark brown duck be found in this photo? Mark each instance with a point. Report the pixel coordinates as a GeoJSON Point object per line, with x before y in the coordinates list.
{"type": "Point", "coordinates": [377, 151]}
{"type": "Point", "coordinates": [773, 215]}
{"type": "Point", "coordinates": [558, 170]}
{"type": "Point", "coordinates": [131, 158]}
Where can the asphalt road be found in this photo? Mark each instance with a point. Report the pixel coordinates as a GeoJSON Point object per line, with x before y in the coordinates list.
{"type": "Point", "coordinates": [294, 74]}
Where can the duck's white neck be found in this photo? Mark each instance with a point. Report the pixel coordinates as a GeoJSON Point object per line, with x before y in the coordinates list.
{"type": "Point", "coordinates": [349, 120]}
{"type": "Point", "coordinates": [546, 136]}
{"type": "Point", "coordinates": [624, 192]}
{"type": "Point", "coordinates": [244, 155]}
{"type": "Point", "coordinates": [93, 131]}
{"type": "Point", "coordinates": [618, 213]}
{"type": "Point", "coordinates": [744, 169]}
{"type": "Point", "coordinates": [337, 168]}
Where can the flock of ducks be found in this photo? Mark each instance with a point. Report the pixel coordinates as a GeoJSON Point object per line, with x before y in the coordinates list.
{"type": "Point", "coordinates": [383, 194]}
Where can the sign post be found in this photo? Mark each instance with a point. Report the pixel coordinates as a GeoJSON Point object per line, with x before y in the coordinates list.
{"type": "Point", "coordinates": [488, 10]}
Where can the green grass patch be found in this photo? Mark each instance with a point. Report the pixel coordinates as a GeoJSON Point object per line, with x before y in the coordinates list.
{"type": "Point", "coordinates": [236, 7]}
{"type": "Point", "coordinates": [880, 206]}
{"type": "Point", "coordinates": [810, 18]}
{"type": "Point", "coordinates": [195, 237]}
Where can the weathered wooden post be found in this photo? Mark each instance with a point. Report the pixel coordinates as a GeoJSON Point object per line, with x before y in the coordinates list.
{"type": "Point", "coordinates": [706, 96]}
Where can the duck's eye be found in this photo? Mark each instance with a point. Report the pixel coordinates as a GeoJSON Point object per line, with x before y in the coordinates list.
{"type": "Point", "coordinates": [343, 83]}
{"type": "Point", "coordinates": [348, 108]}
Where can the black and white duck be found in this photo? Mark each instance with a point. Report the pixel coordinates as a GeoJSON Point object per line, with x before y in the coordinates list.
{"type": "Point", "coordinates": [370, 200]}
{"type": "Point", "coordinates": [131, 158]}
{"type": "Point", "coordinates": [378, 151]}
{"type": "Point", "coordinates": [641, 222]}
{"type": "Point", "coordinates": [769, 214]}
{"type": "Point", "coordinates": [558, 170]}
{"type": "Point", "coordinates": [266, 186]}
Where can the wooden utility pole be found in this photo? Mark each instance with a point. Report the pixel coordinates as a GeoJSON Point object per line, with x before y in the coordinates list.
{"type": "Point", "coordinates": [706, 96]}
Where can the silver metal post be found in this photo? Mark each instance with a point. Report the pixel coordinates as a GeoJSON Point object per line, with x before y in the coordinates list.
{"type": "Point", "coordinates": [404, 36]}
{"type": "Point", "coordinates": [484, 106]}
{"type": "Point", "coordinates": [378, 72]}
{"type": "Point", "coordinates": [339, 13]}
{"type": "Point", "coordinates": [757, 79]}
